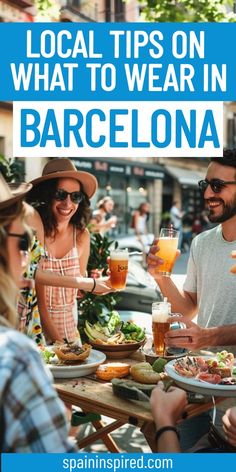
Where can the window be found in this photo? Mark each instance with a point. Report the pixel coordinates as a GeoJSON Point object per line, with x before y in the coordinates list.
{"type": "Point", "coordinates": [2, 146]}
{"type": "Point", "coordinates": [119, 10]}
{"type": "Point", "coordinates": [231, 131]}
{"type": "Point", "coordinates": [74, 3]}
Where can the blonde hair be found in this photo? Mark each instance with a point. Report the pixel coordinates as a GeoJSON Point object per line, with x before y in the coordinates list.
{"type": "Point", "coordinates": [8, 289]}
{"type": "Point", "coordinates": [101, 203]}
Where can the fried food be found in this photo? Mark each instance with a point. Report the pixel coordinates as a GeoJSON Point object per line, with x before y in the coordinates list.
{"type": "Point", "coordinates": [144, 373]}
{"type": "Point", "coordinates": [112, 370]}
{"type": "Point", "coordinates": [211, 370]}
{"type": "Point", "coordinates": [223, 372]}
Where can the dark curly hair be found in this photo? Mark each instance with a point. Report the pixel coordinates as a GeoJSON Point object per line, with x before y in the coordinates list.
{"type": "Point", "coordinates": [228, 158]}
{"type": "Point", "coordinates": [41, 196]}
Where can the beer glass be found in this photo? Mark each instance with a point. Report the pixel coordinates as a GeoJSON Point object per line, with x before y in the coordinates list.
{"type": "Point", "coordinates": [168, 244]}
{"type": "Point", "coordinates": [160, 314]}
{"type": "Point", "coordinates": [118, 268]}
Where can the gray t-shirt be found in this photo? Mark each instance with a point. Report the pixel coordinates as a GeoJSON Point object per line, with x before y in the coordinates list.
{"type": "Point", "coordinates": [208, 275]}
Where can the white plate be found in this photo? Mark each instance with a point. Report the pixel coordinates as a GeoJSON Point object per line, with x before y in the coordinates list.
{"type": "Point", "coordinates": [194, 385]}
{"type": "Point", "coordinates": [79, 370]}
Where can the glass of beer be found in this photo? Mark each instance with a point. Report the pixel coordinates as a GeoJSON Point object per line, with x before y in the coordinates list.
{"type": "Point", "coordinates": [160, 314]}
{"type": "Point", "coordinates": [119, 268]}
{"type": "Point", "coordinates": [168, 244]}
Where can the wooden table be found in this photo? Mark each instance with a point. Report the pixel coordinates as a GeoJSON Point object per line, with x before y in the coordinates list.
{"type": "Point", "coordinates": [93, 395]}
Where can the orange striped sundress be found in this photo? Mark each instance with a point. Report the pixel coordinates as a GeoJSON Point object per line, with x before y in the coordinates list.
{"type": "Point", "coordinates": [60, 301]}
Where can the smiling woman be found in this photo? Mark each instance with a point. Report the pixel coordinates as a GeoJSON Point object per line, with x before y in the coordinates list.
{"type": "Point", "coordinates": [61, 197]}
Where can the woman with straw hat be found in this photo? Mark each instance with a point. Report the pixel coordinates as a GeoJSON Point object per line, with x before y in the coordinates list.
{"type": "Point", "coordinates": [32, 418]}
{"type": "Point", "coordinates": [61, 197]}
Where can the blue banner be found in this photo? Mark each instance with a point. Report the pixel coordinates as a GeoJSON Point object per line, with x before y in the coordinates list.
{"type": "Point", "coordinates": [84, 462]}
{"type": "Point", "coordinates": [109, 61]}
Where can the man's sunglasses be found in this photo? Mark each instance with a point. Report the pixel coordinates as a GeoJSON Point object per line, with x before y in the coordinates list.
{"type": "Point", "coordinates": [216, 184]}
{"type": "Point", "coordinates": [25, 241]}
{"type": "Point", "coordinates": [61, 195]}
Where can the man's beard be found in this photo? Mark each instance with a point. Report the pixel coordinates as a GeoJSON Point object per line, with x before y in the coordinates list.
{"type": "Point", "coordinates": [229, 210]}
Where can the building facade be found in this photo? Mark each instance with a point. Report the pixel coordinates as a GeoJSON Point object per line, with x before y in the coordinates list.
{"type": "Point", "coordinates": [128, 181]}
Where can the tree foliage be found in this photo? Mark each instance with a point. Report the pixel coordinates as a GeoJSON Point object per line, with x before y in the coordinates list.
{"type": "Point", "coordinates": [11, 170]}
{"type": "Point", "coordinates": [91, 306]}
{"type": "Point", "coordinates": [47, 8]}
{"type": "Point", "coordinates": [43, 5]}
{"type": "Point", "coordinates": [187, 10]}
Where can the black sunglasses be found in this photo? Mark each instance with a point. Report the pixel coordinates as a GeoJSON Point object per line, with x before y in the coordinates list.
{"type": "Point", "coordinates": [216, 184]}
{"type": "Point", "coordinates": [61, 195]}
{"type": "Point", "coordinates": [25, 240]}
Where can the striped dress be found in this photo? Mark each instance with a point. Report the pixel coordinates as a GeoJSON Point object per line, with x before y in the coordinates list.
{"type": "Point", "coordinates": [60, 301]}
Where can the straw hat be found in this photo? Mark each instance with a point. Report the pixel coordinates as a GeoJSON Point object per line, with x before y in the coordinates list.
{"type": "Point", "coordinates": [64, 168]}
{"type": "Point", "coordinates": [11, 194]}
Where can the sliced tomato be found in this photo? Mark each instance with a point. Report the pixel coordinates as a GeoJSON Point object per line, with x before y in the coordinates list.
{"type": "Point", "coordinates": [210, 378]}
{"type": "Point", "coordinates": [183, 371]}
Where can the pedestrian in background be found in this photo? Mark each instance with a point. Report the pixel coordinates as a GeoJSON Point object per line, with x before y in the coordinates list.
{"type": "Point", "coordinates": [176, 215]}
{"type": "Point", "coordinates": [139, 224]}
{"type": "Point", "coordinates": [103, 221]}
{"type": "Point", "coordinates": [187, 234]}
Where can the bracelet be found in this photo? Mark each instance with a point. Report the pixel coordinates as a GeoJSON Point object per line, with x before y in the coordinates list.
{"type": "Point", "coordinates": [94, 285]}
{"type": "Point", "coordinates": [164, 429]}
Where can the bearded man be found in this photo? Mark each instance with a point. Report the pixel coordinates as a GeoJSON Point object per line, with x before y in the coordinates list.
{"type": "Point", "coordinates": [209, 290]}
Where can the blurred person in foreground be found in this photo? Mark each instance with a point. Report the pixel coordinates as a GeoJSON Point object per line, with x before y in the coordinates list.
{"type": "Point", "coordinates": [168, 407]}
{"type": "Point", "coordinates": [32, 418]}
{"type": "Point", "coordinates": [209, 288]}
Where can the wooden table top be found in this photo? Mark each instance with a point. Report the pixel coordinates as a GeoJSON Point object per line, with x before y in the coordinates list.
{"type": "Point", "coordinates": [94, 395]}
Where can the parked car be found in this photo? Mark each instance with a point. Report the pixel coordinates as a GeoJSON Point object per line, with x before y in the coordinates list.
{"type": "Point", "coordinates": [141, 290]}
{"type": "Point", "coordinates": [133, 245]}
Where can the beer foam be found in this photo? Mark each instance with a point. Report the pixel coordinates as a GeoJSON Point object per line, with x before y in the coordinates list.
{"type": "Point", "coordinates": [160, 316]}
{"type": "Point", "coordinates": [167, 238]}
{"type": "Point", "coordinates": [119, 255]}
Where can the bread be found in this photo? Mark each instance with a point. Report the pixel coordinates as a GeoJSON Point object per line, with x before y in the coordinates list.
{"type": "Point", "coordinates": [115, 370]}
{"type": "Point", "coordinates": [71, 352]}
{"type": "Point", "coordinates": [144, 373]}
{"type": "Point", "coordinates": [222, 371]}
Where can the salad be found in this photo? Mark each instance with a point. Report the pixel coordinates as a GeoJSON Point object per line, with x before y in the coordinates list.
{"type": "Point", "coordinates": [112, 330]}
{"type": "Point", "coordinates": [48, 355]}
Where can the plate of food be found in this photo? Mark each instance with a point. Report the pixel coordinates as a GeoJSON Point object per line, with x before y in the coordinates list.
{"type": "Point", "coordinates": [117, 339]}
{"type": "Point", "coordinates": [68, 360]}
{"type": "Point", "coordinates": [210, 375]}
{"type": "Point", "coordinates": [117, 350]}
{"type": "Point", "coordinates": [170, 353]}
